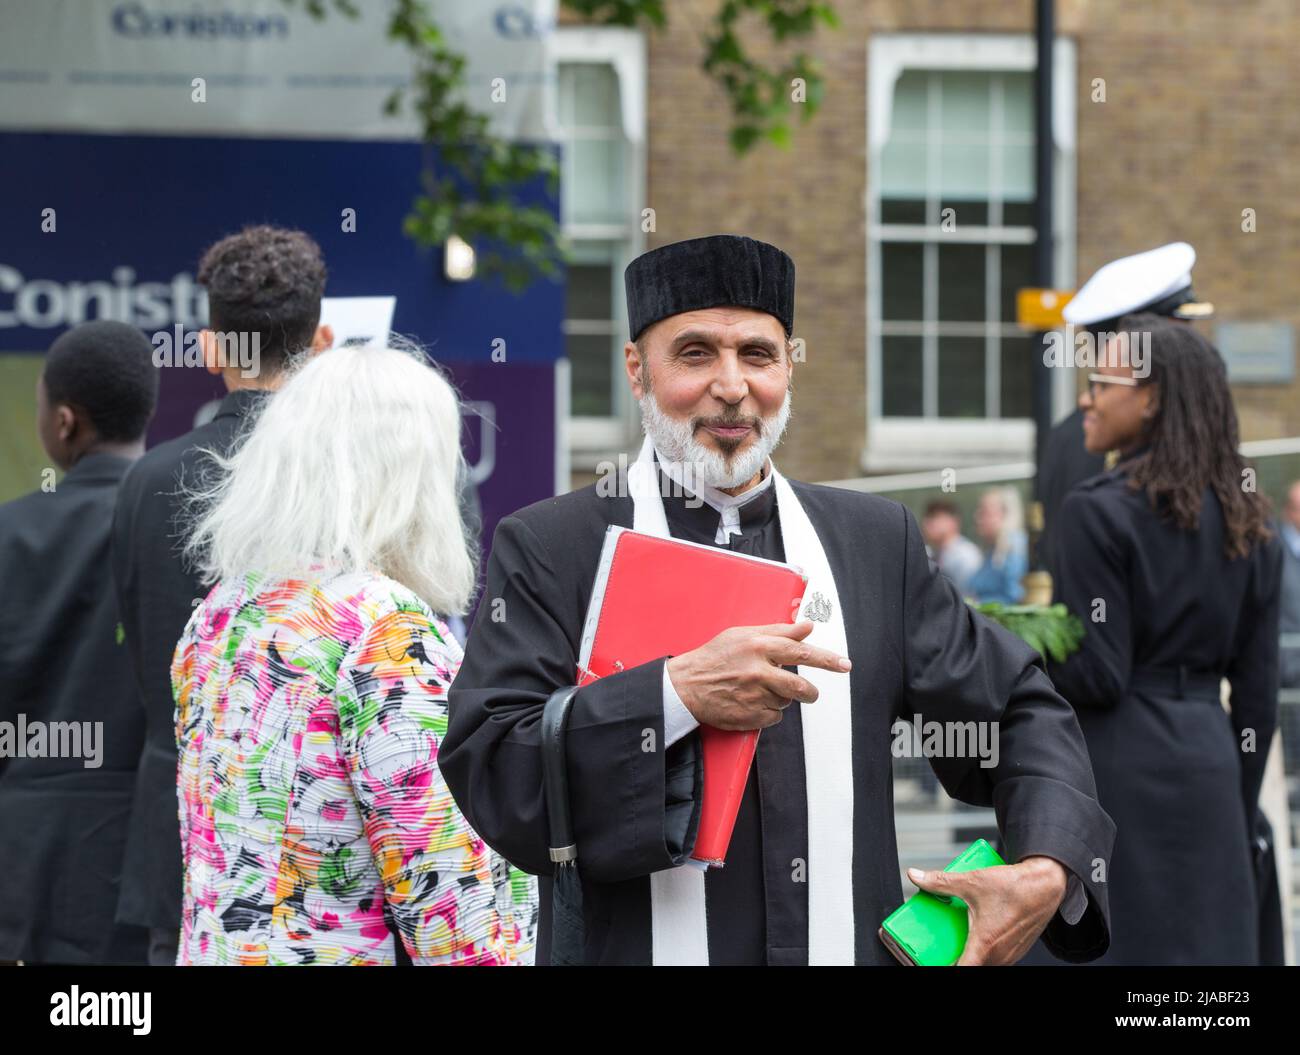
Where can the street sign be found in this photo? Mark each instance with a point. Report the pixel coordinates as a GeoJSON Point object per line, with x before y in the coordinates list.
{"type": "Point", "coordinates": [1040, 309]}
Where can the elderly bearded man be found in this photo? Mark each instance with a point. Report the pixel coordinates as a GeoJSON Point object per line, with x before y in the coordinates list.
{"type": "Point", "coordinates": [812, 868]}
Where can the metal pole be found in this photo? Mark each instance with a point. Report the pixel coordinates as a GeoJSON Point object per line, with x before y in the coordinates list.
{"type": "Point", "coordinates": [1044, 277]}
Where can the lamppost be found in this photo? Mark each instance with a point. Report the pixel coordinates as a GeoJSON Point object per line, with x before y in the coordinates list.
{"type": "Point", "coordinates": [1038, 583]}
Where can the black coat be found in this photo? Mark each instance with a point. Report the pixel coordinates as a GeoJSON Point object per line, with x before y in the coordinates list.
{"type": "Point", "coordinates": [1066, 464]}
{"type": "Point", "coordinates": [915, 645]}
{"type": "Point", "coordinates": [1169, 763]}
{"type": "Point", "coordinates": [156, 593]}
{"type": "Point", "coordinates": [62, 825]}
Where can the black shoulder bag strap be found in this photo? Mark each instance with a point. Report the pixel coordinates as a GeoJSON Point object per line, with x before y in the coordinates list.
{"type": "Point", "coordinates": [567, 931]}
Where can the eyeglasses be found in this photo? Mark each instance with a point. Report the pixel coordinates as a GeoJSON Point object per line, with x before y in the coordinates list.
{"type": "Point", "coordinates": [1097, 381]}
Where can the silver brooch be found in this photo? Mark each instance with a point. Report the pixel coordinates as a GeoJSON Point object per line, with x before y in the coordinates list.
{"type": "Point", "coordinates": [818, 608]}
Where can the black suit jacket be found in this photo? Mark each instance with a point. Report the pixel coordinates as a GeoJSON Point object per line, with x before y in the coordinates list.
{"type": "Point", "coordinates": [63, 825]}
{"type": "Point", "coordinates": [156, 594]}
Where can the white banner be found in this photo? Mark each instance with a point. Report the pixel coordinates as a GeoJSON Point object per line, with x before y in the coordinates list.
{"type": "Point", "coordinates": [257, 67]}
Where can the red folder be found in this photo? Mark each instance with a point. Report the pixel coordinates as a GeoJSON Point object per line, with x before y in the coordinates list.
{"type": "Point", "coordinates": [661, 597]}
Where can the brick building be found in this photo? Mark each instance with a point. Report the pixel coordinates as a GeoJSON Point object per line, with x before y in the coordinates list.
{"type": "Point", "coordinates": [1172, 117]}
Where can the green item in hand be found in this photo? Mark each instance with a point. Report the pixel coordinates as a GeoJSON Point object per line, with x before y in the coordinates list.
{"type": "Point", "coordinates": [929, 930]}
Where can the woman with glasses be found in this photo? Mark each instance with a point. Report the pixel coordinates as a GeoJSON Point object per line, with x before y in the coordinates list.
{"type": "Point", "coordinates": [1169, 561]}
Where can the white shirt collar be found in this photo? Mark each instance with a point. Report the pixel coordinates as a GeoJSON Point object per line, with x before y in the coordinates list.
{"type": "Point", "coordinates": [727, 505]}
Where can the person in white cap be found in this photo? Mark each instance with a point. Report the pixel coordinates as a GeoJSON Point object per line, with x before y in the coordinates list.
{"type": "Point", "coordinates": [1158, 281]}
{"type": "Point", "coordinates": [1176, 570]}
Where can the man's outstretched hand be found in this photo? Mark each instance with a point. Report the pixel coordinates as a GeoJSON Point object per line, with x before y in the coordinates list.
{"type": "Point", "coordinates": [1008, 905]}
{"type": "Point", "coordinates": [736, 680]}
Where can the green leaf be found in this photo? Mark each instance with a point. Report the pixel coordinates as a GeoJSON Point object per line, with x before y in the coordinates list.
{"type": "Point", "coordinates": [743, 137]}
{"type": "Point", "coordinates": [476, 188]}
{"type": "Point", "coordinates": [1052, 630]}
{"type": "Point", "coordinates": [780, 135]}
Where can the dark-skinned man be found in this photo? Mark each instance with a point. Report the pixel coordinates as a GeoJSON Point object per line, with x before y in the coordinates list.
{"type": "Point", "coordinates": [70, 726]}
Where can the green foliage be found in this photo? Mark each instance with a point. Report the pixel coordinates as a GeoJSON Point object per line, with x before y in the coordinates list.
{"type": "Point", "coordinates": [469, 187]}
{"type": "Point", "coordinates": [1051, 629]}
{"type": "Point", "coordinates": [761, 98]}
{"type": "Point", "coordinates": [620, 12]}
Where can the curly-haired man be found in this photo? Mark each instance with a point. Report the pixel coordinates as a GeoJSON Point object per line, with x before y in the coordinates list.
{"type": "Point", "coordinates": [264, 289]}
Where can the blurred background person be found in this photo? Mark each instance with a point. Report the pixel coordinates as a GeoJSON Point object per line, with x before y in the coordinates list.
{"type": "Point", "coordinates": [311, 688]}
{"type": "Point", "coordinates": [956, 555]}
{"type": "Point", "coordinates": [1159, 282]}
{"type": "Point", "coordinates": [63, 814]}
{"type": "Point", "coordinates": [264, 283]}
{"type": "Point", "coordinates": [1272, 830]}
{"type": "Point", "coordinates": [999, 523]}
{"type": "Point", "coordinates": [1289, 528]}
{"type": "Point", "coordinates": [1170, 562]}
{"type": "Point", "coordinates": [1289, 628]}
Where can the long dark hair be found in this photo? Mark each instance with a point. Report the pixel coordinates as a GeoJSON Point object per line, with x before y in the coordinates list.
{"type": "Point", "coordinates": [1191, 443]}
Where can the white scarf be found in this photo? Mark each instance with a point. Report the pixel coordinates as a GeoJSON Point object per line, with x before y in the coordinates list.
{"type": "Point", "coordinates": [679, 925]}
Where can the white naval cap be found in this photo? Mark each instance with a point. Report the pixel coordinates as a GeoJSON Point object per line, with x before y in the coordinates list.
{"type": "Point", "coordinates": [1159, 281]}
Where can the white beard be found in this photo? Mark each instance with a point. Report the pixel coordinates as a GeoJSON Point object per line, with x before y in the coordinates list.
{"type": "Point", "coordinates": [675, 440]}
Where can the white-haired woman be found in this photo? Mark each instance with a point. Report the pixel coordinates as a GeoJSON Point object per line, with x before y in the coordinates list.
{"type": "Point", "coordinates": [311, 687]}
{"type": "Point", "coordinates": [999, 522]}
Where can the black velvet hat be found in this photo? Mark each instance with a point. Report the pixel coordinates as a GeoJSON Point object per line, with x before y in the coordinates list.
{"type": "Point", "coordinates": [722, 270]}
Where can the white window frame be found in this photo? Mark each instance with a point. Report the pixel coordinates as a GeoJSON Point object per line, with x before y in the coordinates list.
{"type": "Point", "coordinates": [895, 443]}
{"type": "Point", "coordinates": [588, 440]}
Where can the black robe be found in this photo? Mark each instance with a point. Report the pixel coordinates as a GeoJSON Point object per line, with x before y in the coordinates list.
{"type": "Point", "coordinates": [63, 826]}
{"type": "Point", "coordinates": [914, 645]}
{"type": "Point", "coordinates": [1167, 758]}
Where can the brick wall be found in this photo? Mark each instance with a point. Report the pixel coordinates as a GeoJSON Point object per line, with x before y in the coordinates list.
{"type": "Point", "coordinates": [1198, 123]}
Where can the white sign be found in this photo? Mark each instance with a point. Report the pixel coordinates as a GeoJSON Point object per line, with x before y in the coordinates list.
{"type": "Point", "coordinates": [257, 67]}
{"type": "Point", "coordinates": [355, 321]}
